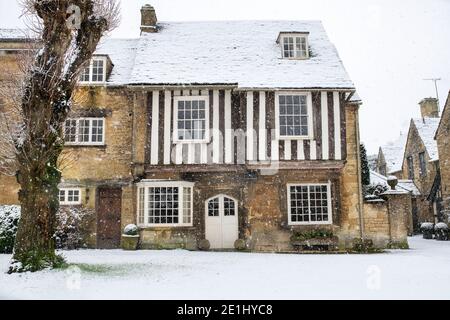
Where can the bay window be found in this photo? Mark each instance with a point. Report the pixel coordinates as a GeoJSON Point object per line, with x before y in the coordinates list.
{"type": "Point", "coordinates": [165, 203]}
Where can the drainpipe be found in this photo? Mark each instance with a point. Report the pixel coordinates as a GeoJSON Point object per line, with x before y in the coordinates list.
{"type": "Point", "coordinates": [360, 197]}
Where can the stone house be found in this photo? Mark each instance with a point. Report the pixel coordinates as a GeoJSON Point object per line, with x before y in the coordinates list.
{"type": "Point", "coordinates": [443, 144]}
{"type": "Point", "coordinates": [390, 157]}
{"type": "Point", "coordinates": [421, 159]}
{"type": "Point", "coordinates": [214, 130]}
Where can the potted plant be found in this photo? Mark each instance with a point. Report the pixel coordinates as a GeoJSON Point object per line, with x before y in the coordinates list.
{"type": "Point", "coordinates": [427, 229]}
{"type": "Point", "coordinates": [130, 237]}
{"type": "Point", "coordinates": [441, 231]}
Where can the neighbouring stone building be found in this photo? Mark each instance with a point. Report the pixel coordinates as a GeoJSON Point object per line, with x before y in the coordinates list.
{"type": "Point", "coordinates": [390, 157]}
{"type": "Point", "coordinates": [415, 157]}
{"type": "Point", "coordinates": [220, 131]}
{"type": "Point", "coordinates": [421, 159]}
{"type": "Point", "coordinates": [443, 144]}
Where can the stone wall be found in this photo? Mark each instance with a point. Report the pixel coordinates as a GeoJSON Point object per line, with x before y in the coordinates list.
{"type": "Point", "coordinates": [376, 222]}
{"type": "Point", "coordinates": [443, 143]}
{"type": "Point", "coordinates": [388, 222]}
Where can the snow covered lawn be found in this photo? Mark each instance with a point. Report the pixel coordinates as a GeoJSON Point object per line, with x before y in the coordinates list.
{"type": "Point", "coordinates": [420, 273]}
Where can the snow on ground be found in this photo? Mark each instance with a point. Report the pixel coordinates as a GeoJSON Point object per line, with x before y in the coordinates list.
{"type": "Point", "coordinates": [422, 272]}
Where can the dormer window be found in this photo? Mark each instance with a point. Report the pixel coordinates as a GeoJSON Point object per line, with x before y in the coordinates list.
{"type": "Point", "coordinates": [294, 45]}
{"type": "Point", "coordinates": [95, 72]}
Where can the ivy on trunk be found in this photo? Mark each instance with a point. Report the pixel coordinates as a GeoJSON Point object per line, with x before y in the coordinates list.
{"type": "Point", "coordinates": [45, 104]}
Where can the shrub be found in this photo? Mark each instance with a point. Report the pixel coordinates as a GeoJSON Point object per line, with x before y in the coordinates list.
{"type": "Point", "coordinates": [427, 229]}
{"type": "Point", "coordinates": [373, 191]}
{"type": "Point", "coordinates": [441, 231]}
{"type": "Point", "coordinates": [131, 230]}
{"type": "Point", "coordinates": [313, 234]}
{"type": "Point", "coordinates": [72, 225]}
{"type": "Point", "coordinates": [9, 219]}
{"type": "Point", "coordinates": [363, 245]}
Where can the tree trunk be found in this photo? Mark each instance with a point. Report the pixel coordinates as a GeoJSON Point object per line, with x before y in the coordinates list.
{"type": "Point", "coordinates": [45, 105]}
{"type": "Point", "coordinates": [34, 247]}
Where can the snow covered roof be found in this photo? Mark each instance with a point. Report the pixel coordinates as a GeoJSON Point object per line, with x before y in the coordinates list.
{"type": "Point", "coordinates": [243, 53]}
{"type": "Point", "coordinates": [393, 154]}
{"type": "Point", "coordinates": [403, 185]}
{"type": "Point", "coordinates": [122, 53]}
{"type": "Point", "coordinates": [13, 34]}
{"type": "Point", "coordinates": [427, 128]}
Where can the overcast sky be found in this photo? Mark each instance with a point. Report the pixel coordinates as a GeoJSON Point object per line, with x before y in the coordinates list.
{"type": "Point", "coordinates": [388, 46]}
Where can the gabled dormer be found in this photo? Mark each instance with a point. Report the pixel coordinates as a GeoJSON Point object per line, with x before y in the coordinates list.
{"type": "Point", "coordinates": [98, 70]}
{"type": "Point", "coordinates": [294, 45]}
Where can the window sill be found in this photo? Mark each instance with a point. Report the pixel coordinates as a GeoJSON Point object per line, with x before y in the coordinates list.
{"type": "Point", "coordinates": [205, 141]}
{"type": "Point", "coordinates": [164, 228]}
{"type": "Point", "coordinates": [293, 224]}
{"type": "Point", "coordinates": [100, 146]}
{"type": "Point", "coordinates": [282, 138]}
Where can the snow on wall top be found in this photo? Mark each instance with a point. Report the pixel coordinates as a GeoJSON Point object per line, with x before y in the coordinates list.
{"type": "Point", "coordinates": [403, 185]}
{"type": "Point", "coordinates": [393, 154]}
{"type": "Point", "coordinates": [427, 129]}
{"type": "Point", "coordinates": [233, 52]}
{"type": "Point", "coordinates": [13, 34]}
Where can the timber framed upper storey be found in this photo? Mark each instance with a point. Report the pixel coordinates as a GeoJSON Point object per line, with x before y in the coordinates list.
{"type": "Point", "coordinates": [230, 93]}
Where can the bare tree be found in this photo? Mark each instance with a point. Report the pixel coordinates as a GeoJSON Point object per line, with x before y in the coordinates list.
{"type": "Point", "coordinates": [70, 31]}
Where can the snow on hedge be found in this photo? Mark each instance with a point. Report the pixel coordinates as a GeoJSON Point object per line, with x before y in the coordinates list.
{"type": "Point", "coordinates": [8, 214]}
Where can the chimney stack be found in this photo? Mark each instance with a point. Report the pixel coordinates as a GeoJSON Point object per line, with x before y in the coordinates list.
{"type": "Point", "coordinates": [148, 19]}
{"type": "Point", "coordinates": [429, 108]}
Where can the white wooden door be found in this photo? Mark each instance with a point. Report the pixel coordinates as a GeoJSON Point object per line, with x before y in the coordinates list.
{"type": "Point", "coordinates": [221, 222]}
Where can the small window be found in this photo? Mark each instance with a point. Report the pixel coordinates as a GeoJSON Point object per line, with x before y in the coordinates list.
{"type": "Point", "coordinates": [69, 196]}
{"type": "Point", "coordinates": [165, 204]}
{"type": "Point", "coordinates": [293, 116]}
{"type": "Point", "coordinates": [423, 164]}
{"type": "Point", "coordinates": [95, 72]}
{"type": "Point", "coordinates": [309, 204]}
{"type": "Point", "coordinates": [294, 46]}
{"type": "Point", "coordinates": [191, 119]}
{"type": "Point", "coordinates": [410, 164]}
{"type": "Point", "coordinates": [84, 131]}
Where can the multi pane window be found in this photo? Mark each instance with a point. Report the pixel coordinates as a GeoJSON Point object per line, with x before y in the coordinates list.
{"type": "Point", "coordinates": [423, 164]}
{"type": "Point", "coordinates": [141, 195]}
{"type": "Point", "coordinates": [213, 207]}
{"type": "Point", "coordinates": [309, 204]}
{"type": "Point", "coordinates": [410, 164]}
{"type": "Point", "coordinates": [228, 207]}
{"type": "Point", "coordinates": [295, 47]}
{"type": "Point", "coordinates": [84, 131]}
{"type": "Point", "coordinates": [95, 71]}
{"type": "Point", "coordinates": [69, 196]}
{"type": "Point", "coordinates": [98, 69]}
{"type": "Point", "coordinates": [165, 204]}
{"type": "Point", "coordinates": [293, 116]}
{"type": "Point", "coordinates": [192, 119]}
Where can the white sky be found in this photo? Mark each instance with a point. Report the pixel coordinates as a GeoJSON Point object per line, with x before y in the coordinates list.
{"type": "Point", "coordinates": [388, 46]}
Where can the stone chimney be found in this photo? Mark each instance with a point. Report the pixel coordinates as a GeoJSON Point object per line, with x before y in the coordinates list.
{"type": "Point", "coordinates": [148, 19]}
{"type": "Point", "coordinates": [429, 108]}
